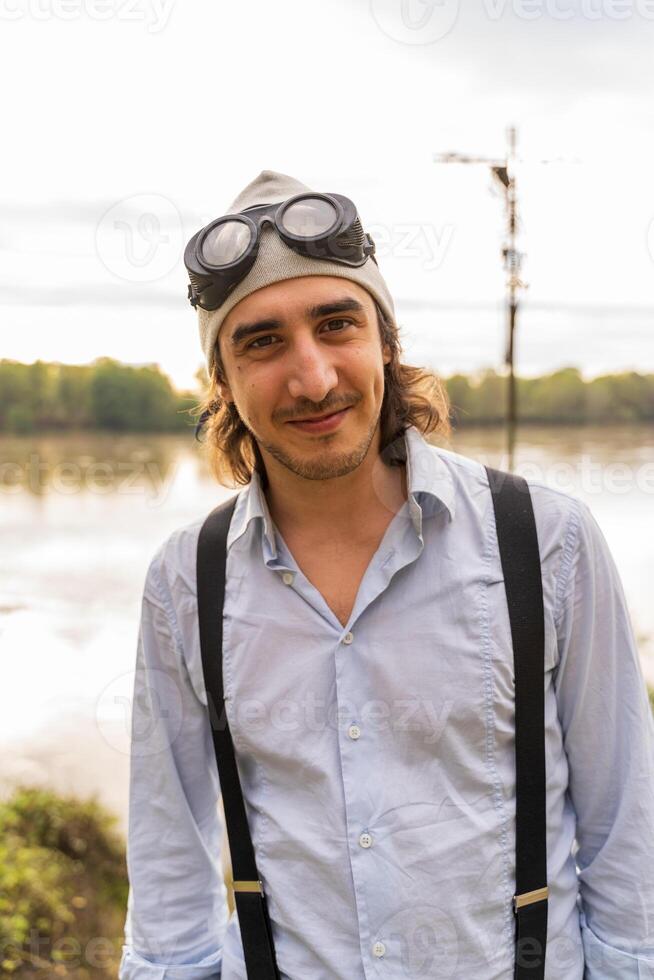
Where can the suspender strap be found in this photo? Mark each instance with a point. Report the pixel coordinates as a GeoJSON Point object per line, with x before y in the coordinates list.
{"type": "Point", "coordinates": [256, 932]}
{"type": "Point", "coordinates": [518, 545]}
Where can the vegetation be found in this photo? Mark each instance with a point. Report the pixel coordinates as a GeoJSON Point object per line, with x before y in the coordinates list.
{"type": "Point", "coordinates": [563, 397]}
{"type": "Point", "coordinates": [103, 395]}
{"type": "Point", "coordinates": [120, 398]}
{"type": "Point", "coordinates": [63, 887]}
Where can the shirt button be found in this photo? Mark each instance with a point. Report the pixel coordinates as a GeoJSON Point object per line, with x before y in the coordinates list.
{"type": "Point", "coordinates": [354, 731]}
{"type": "Point", "coordinates": [287, 578]}
{"type": "Point", "coordinates": [365, 839]}
{"type": "Point", "coordinates": [379, 949]}
{"type": "Point", "coordinates": [348, 638]}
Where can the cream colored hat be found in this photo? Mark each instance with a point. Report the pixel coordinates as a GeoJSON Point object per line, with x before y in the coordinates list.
{"type": "Point", "coordinates": [276, 261]}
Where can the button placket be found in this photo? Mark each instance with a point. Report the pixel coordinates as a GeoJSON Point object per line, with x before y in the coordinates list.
{"type": "Point", "coordinates": [357, 812]}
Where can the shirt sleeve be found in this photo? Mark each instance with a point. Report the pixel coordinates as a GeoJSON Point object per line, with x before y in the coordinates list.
{"type": "Point", "coordinates": [609, 742]}
{"type": "Point", "coordinates": [177, 907]}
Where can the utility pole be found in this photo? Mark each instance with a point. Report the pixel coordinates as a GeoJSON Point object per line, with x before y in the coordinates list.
{"type": "Point", "coordinates": [503, 172]}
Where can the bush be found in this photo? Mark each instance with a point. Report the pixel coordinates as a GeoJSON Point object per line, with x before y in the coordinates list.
{"type": "Point", "coordinates": [63, 887]}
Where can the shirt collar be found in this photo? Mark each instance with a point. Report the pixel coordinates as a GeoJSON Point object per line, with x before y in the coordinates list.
{"type": "Point", "coordinates": [429, 484]}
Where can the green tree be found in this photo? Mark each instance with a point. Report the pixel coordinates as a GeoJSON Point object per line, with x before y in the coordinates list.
{"type": "Point", "coordinates": [74, 407]}
{"type": "Point", "coordinates": [126, 398]}
{"type": "Point", "coordinates": [14, 392]}
{"type": "Point", "coordinates": [557, 397]}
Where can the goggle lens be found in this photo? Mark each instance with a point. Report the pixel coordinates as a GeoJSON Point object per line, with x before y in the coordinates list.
{"type": "Point", "coordinates": [226, 243]}
{"type": "Point", "coordinates": [309, 217]}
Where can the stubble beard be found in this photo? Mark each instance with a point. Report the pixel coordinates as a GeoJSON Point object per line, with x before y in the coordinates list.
{"type": "Point", "coordinates": [325, 465]}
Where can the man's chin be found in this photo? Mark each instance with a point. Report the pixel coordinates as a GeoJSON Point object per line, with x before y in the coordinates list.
{"type": "Point", "coordinates": [321, 459]}
{"type": "Point", "coordinates": [321, 464]}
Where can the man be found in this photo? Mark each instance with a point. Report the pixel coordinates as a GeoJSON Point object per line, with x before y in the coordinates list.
{"type": "Point", "coordinates": [367, 659]}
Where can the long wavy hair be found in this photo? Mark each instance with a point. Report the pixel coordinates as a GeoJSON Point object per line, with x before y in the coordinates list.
{"type": "Point", "coordinates": [412, 396]}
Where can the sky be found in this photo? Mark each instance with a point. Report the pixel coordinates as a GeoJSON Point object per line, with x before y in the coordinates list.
{"type": "Point", "coordinates": [129, 124]}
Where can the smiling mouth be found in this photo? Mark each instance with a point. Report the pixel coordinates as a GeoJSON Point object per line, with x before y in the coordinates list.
{"type": "Point", "coordinates": [323, 424]}
{"type": "Point", "coordinates": [319, 418]}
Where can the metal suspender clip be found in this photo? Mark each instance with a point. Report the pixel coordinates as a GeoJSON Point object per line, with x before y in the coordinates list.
{"type": "Point", "coordinates": [248, 886]}
{"type": "Point", "coordinates": [527, 898]}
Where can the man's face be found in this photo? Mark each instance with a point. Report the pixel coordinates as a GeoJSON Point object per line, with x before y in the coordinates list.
{"type": "Point", "coordinates": [300, 348]}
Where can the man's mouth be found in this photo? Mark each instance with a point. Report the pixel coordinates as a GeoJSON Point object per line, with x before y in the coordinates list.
{"type": "Point", "coordinates": [316, 418]}
{"type": "Point", "coordinates": [324, 422]}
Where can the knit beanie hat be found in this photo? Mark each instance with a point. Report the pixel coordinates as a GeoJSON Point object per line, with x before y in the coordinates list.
{"type": "Point", "coordinates": [276, 261]}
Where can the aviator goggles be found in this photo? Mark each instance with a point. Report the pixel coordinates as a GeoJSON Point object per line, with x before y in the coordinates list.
{"type": "Point", "coordinates": [321, 226]}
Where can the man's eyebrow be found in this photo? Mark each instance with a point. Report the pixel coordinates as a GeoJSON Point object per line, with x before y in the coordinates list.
{"type": "Point", "coordinates": [345, 305]}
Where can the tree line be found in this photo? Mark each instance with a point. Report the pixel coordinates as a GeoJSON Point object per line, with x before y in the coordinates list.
{"type": "Point", "coordinates": [105, 394]}
{"type": "Point", "coordinates": [110, 395]}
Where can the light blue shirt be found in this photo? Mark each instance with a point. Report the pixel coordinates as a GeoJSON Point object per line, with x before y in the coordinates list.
{"type": "Point", "coordinates": [377, 758]}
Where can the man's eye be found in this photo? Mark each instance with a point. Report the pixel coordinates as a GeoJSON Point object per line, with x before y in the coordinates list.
{"type": "Point", "coordinates": [255, 342]}
{"type": "Point", "coordinates": [257, 345]}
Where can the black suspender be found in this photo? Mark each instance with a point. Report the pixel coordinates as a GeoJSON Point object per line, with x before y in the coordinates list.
{"type": "Point", "coordinates": [518, 544]}
{"type": "Point", "coordinates": [250, 900]}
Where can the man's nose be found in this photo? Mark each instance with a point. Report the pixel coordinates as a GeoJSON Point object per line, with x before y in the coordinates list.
{"type": "Point", "coordinates": [311, 374]}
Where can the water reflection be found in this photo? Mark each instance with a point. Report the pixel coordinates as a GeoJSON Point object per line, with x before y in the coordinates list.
{"type": "Point", "coordinates": [97, 463]}
{"type": "Point", "coordinates": [82, 514]}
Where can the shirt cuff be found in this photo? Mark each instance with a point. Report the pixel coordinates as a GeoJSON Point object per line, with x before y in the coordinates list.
{"type": "Point", "coordinates": [604, 962]}
{"type": "Point", "coordinates": [135, 967]}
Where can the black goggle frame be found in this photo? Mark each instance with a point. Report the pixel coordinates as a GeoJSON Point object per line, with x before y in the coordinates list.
{"type": "Point", "coordinates": [344, 241]}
